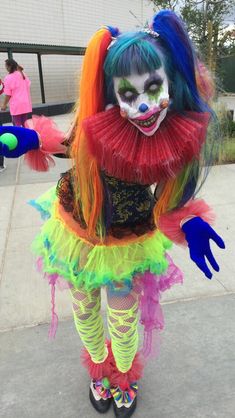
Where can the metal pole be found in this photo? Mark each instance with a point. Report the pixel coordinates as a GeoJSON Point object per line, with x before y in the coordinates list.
{"type": "Point", "coordinates": [9, 53]}
{"type": "Point", "coordinates": [41, 78]}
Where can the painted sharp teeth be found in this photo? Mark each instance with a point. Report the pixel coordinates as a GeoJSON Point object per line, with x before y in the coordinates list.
{"type": "Point", "coordinates": [148, 122]}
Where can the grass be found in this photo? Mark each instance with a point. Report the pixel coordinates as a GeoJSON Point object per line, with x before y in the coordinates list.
{"type": "Point", "coordinates": [226, 154]}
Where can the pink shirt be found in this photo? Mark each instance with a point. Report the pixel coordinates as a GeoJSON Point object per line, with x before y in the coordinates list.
{"type": "Point", "coordinates": [1, 86]}
{"type": "Point", "coordinates": [19, 90]}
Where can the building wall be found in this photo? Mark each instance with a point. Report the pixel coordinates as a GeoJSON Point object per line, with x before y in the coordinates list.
{"type": "Point", "coordinates": [62, 22]}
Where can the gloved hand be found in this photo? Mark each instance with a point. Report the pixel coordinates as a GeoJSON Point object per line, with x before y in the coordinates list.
{"type": "Point", "coordinates": [198, 234]}
{"type": "Point", "coordinates": [16, 141]}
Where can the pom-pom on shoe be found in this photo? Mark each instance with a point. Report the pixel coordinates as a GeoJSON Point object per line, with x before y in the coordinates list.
{"type": "Point", "coordinates": [100, 395]}
{"type": "Point", "coordinates": [124, 411]}
{"type": "Point", "coordinates": [124, 402]}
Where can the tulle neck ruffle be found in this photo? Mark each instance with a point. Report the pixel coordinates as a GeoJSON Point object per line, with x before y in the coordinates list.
{"type": "Point", "coordinates": [126, 153]}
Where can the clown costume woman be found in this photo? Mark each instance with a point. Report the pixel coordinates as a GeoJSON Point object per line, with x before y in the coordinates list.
{"type": "Point", "coordinates": [138, 149]}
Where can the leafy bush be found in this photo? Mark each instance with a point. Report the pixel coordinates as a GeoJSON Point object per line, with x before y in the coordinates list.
{"type": "Point", "coordinates": [231, 128]}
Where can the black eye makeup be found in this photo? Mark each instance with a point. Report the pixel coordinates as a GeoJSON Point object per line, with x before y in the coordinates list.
{"type": "Point", "coordinates": [153, 83]}
{"type": "Point", "coordinates": [128, 95]}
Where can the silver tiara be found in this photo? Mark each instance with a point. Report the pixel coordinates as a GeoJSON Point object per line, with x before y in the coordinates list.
{"type": "Point", "coordinates": [112, 42]}
{"type": "Point", "coordinates": [150, 32]}
{"type": "Point", "coordinates": [147, 30]}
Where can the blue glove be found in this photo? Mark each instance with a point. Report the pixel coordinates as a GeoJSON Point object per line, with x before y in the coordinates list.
{"type": "Point", "coordinates": [198, 234]}
{"type": "Point", "coordinates": [16, 141]}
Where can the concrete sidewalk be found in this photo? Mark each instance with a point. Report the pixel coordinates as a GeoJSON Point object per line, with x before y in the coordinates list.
{"type": "Point", "coordinates": [194, 377]}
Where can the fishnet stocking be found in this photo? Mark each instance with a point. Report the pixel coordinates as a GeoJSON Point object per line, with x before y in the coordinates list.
{"type": "Point", "coordinates": [123, 323]}
{"type": "Point", "coordinates": [88, 322]}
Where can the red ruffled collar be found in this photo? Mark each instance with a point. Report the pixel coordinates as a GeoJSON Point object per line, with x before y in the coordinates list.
{"type": "Point", "coordinates": [127, 154]}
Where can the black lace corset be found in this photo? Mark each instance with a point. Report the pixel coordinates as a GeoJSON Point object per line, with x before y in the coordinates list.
{"type": "Point", "coordinates": [127, 206]}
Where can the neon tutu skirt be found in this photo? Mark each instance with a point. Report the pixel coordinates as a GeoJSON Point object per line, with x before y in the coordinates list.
{"type": "Point", "coordinates": [67, 257]}
{"type": "Point", "coordinates": [64, 249]}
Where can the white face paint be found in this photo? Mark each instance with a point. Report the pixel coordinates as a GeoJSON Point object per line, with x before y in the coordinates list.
{"type": "Point", "coordinates": [143, 99]}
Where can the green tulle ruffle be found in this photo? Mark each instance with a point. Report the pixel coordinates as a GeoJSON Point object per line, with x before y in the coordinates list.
{"type": "Point", "coordinates": [88, 266]}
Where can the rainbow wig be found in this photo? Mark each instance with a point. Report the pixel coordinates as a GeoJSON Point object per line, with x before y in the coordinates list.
{"type": "Point", "coordinates": [137, 52]}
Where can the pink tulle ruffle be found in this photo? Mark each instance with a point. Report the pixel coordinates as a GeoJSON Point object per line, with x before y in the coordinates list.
{"type": "Point", "coordinates": [51, 143]}
{"type": "Point", "coordinates": [151, 312]}
{"type": "Point", "coordinates": [169, 223]}
{"type": "Point", "coordinates": [53, 280]}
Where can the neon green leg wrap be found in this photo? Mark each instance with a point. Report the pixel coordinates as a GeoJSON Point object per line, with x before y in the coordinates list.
{"type": "Point", "coordinates": [89, 323]}
{"type": "Point", "coordinates": [123, 329]}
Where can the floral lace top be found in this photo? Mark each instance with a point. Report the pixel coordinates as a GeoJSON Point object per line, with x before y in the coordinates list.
{"type": "Point", "coordinates": [128, 207]}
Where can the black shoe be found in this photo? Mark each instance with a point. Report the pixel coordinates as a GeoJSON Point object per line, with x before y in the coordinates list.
{"type": "Point", "coordinates": [101, 405]}
{"type": "Point", "coordinates": [125, 412]}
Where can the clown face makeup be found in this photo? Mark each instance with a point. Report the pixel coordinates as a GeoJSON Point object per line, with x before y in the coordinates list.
{"type": "Point", "coordinates": [143, 99]}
